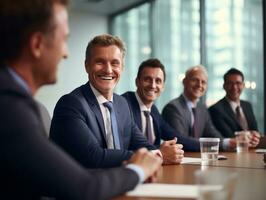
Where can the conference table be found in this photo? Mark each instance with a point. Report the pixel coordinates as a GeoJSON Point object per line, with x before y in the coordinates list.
{"type": "Point", "coordinates": [249, 166]}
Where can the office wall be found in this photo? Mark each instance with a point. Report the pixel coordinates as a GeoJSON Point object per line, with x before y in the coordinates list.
{"type": "Point", "coordinates": [71, 72]}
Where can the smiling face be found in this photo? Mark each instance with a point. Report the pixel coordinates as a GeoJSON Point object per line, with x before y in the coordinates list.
{"type": "Point", "coordinates": [150, 84]}
{"type": "Point", "coordinates": [234, 86]}
{"type": "Point", "coordinates": [195, 84]}
{"type": "Point", "coordinates": [104, 67]}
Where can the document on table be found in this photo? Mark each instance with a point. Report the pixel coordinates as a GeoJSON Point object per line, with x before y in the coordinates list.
{"type": "Point", "coordinates": [190, 160]}
{"type": "Point", "coordinates": [165, 190]}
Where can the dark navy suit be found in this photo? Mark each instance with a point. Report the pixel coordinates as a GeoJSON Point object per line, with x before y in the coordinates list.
{"type": "Point", "coordinates": [225, 120]}
{"type": "Point", "coordinates": [32, 166]}
{"type": "Point", "coordinates": [161, 128]}
{"type": "Point", "coordinates": [78, 127]}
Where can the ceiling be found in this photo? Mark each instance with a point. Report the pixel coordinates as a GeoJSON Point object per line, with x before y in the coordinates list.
{"type": "Point", "coordinates": [104, 7]}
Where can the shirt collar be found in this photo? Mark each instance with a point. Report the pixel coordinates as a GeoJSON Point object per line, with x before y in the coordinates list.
{"type": "Point", "coordinates": [142, 106]}
{"type": "Point", "coordinates": [233, 104]}
{"type": "Point", "coordinates": [189, 103]}
{"type": "Point", "coordinates": [100, 98]}
{"type": "Point", "coordinates": [19, 80]}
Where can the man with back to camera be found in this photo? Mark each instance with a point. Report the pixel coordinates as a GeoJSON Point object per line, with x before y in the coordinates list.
{"type": "Point", "coordinates": [150, 83]}
{"type": "Point", "coordinates": [231, 114]}
{"type": "Point", "coordinates": [33, 39]}
{"type": "Point", "coordinates": [93, 106]}
{"type": "Point", "coordinates": [189, 116]}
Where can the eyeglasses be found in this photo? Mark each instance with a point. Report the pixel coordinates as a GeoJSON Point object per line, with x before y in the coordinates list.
{"type": "Point", "coordinates": [237, 83]}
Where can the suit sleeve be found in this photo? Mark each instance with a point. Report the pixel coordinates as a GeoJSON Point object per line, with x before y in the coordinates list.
{"type": "Point", "coordinates": [175, 119]}
{"type": "Point", "coordinates": [40, 166]}
{"type": "Point", "coordinates": [168, 133]}
{"type": "Point", "coordinates": [73, 129]}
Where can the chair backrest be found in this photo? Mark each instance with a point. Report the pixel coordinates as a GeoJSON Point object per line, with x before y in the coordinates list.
{"type": "Point", "coordinates": [46, 118]}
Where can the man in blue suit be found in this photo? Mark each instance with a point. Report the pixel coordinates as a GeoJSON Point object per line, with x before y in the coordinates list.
{"type": "Point", "coordinates": [94, 133]}
{"type": "Point", "coordinates": [33, 38]}
{"type": "Point", "coordinates": [150, 83]}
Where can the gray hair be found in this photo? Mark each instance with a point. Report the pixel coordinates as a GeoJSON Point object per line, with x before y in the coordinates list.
{"type": "Point", "coordinates": [196, 67]}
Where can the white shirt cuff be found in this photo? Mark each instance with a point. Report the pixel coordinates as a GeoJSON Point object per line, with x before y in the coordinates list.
{"type": "Point", "coordinates": [226, 143]}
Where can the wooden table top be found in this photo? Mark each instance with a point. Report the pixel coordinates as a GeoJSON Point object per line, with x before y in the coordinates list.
{"type": "Point", "coordinates": [251, 170]}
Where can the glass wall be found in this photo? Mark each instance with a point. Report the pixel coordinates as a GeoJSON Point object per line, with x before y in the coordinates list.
{"type": "Point", "coordinates": [234, 38]}
{"type": "Point", "coordinates": [230, 35]}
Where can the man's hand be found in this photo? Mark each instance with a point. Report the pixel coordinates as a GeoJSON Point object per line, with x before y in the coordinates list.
{"type": "Point", "coordinates": [254, 139]}
{"type": "Point", "coordinates": [149, 162]}
{"type": "Point", "coordinates": [232, 144]}
{"type": "Point", "coordinates": [172, 152]}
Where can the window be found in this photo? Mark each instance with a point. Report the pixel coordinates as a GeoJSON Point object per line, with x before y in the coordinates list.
{"type": "Point", "coordinates": [182, 33]}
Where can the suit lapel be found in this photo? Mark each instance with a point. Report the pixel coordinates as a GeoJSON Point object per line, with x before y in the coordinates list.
{"type": "Point", "coordinates": [93, 103]}
{"type": "Point", "coordinates": [186, 112]}
{"type": "Point", "coordinates": [155, 122]}
{"type": "Point", "coordinates": [228, 109]}
{"type": "Point", "coordinates": [136, 110]}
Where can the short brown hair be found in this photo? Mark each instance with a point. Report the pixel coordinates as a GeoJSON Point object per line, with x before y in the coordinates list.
{"type": "Point", "coordinates": [19, 19]}
{"type": "Point", "coordinates": [152, 62]}
{"type": "Point", "coordinates": [105, 40]}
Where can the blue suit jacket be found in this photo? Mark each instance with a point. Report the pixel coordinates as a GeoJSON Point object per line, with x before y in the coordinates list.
{"type": "Point", "coordinates": [225, 120]}
{"type": "Point", "coordinates": [78, 127]}
{"type": "Point", "coordinates": [161, 128]}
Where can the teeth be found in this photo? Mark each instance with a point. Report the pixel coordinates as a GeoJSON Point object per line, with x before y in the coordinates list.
{"type": "Point", "coordinates": [150, 92]}
{"type": "Point", "coordinates": [106, 77]}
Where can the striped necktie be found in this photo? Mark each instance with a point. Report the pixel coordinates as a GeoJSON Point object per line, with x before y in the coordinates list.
{"type": "Point", "coordinates": [110, 107]}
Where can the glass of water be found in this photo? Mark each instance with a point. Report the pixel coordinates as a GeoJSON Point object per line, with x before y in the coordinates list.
{"type": "Point", "coordinates": [209, 148]}
{"type": "Point", "coordinates": [242, 141]}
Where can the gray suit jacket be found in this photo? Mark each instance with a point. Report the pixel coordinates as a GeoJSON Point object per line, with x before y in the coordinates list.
{"type": "Point", "coordinates": [177, 114]}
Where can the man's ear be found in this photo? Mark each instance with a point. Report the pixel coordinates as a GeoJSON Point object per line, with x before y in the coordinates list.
{"type": "Point", "coordinates": [86, 64]}
{"type": "Point", "coordinates": [184, 79]}
{"type": "Point", "coordinates": [36, 44]}
{"type": "Point", "coordinates": [136, 82]}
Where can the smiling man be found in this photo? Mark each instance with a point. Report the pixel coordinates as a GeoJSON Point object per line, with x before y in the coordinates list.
{"type": "Point", "coordinates": [150, 82]}
{"type": "Point", "coordinates": [189, 116]}
{"type": "Point", "coordinates": [231, 114]}
{"type": "Point", "coordinates": [184, 112]}
{"type": "Point", "coordinates": [92, 123]}
{"type": "Point", "coordinates": [33, 38]}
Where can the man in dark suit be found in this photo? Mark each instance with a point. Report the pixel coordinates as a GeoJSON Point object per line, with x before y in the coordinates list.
{"type": "Point", "coordinates": [189, 116]}
{"type": "Point", "coordinates": [150, 83]}
{"type": "Point", "coordinates": [33, 40]}
{"type": "Point", "coordinates": [85, 126]}
{"type": "Point", "coordinates": [231, 114]}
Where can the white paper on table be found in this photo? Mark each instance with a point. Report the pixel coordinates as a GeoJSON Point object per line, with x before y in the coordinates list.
{"type": "Point", "coordinates": [165, 190]}
{"type": "Point", "coordinates": [191, 160]}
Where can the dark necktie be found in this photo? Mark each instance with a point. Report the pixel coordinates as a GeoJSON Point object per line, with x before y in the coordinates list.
{"type": "Point", "coordinates": [241, 119]}
{"type": "Point", "coordinates": [148, 130]}
{"type": "Point", "coordinates": [110, 107]}
{"type": "Point", "coordinates": [195, 133]}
